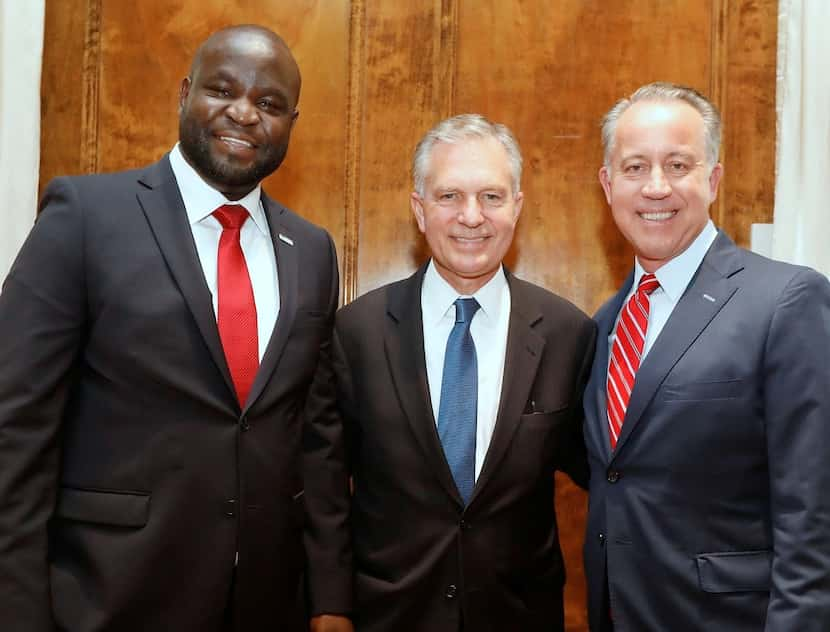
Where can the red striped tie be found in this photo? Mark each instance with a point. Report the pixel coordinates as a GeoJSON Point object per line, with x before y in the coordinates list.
{"type": "Point", "coordinates": [625, 353]}
{"type": "Point", "coordinates": [236, 313]}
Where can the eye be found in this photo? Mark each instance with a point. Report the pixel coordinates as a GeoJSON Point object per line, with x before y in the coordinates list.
{"type": "Point", "coordinates": [447, 196]}
{"type": "Point", "coordinates": [219, 91]}
{"type": "Point", "coordinates": [677, 168]}
{"type": "Point", "coordinates": [491, 198]}
{"type": "Point", "coordinates": [634, 169]}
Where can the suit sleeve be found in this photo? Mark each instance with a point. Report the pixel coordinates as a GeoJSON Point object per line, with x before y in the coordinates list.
{"type": "Point", "coordinates": [327, 492]}
{"type": "Point", "coordinates": [796, 402]}
{"type": "Point", "coordinates": [574, 458]}
{"type": "Point", "coordinates": [42, 318]}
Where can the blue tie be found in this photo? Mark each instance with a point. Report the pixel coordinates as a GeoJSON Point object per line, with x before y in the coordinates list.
{"type": "Point", "coordinates": [459, 399]}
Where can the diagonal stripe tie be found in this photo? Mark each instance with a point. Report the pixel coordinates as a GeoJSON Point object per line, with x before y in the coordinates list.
{"type": "Point", "coordinates": [629, 338]}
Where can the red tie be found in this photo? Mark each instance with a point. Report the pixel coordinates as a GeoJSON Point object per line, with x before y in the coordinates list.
{"type": "Point", "coordinates": [237, 310]}
{"type": "Point", "coordinates": [625, 353]}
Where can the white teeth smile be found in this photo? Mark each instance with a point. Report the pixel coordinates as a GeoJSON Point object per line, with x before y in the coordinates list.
{"type": "Point", "coordinates": [236, 141]}
{"type": "Point", "coordinates": [657, 216]}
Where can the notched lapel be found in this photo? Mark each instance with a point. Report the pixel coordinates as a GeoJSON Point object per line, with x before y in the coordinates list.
{"type": "Point", "coordinates": [164, 209]}
{"type": "Point", "coordinates": [403, 340]}
{"type": "Point", "coordinates": [707, 294]}
{"type": "Point", "coordinates": [286, 251]}
{"type": "Point", "coordinates": [522, 356]}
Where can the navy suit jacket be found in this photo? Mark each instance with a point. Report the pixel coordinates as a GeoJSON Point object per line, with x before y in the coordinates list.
{"type": "Point", "coordinates": [713, 512]}
{"type": "Point", "coordinates": [129, 475]}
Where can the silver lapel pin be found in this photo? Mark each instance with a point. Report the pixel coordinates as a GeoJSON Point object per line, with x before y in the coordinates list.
{"type": "Point", "coordinates": [286, 239]}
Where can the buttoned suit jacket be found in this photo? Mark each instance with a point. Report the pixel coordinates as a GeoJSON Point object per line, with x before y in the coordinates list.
{"type": "Point", "coordinates": [713, 513]}
{"type": "Point", "coordinates": [130, 476]}
{"type": "Point", "coordinates": [421, 561]}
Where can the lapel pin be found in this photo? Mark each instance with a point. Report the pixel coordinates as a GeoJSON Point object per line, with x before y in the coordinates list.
{"type": "Point", "coordinates": [286, 239]}
{"type": "Point", "coordinates": [706, 296]}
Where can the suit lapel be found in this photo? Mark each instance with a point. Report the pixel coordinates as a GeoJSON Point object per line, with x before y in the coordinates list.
{"type": "Point", "coordinates": [522, 356]}
{"type": "Point", "coordinates": [709, 291]}
{"type": "Point", "coordinates": [163, 206]}
{"type": "Point", "coordinates": [285, 250]}
{"type": "Point", "coordinates": [404, 345]}
{"type": "Point", "coordinates": [596, 417]}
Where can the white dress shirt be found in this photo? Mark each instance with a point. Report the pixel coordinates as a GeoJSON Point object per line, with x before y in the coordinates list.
{"type": "Point", "coordinates": [200, 200]}
{"type": "Point", "coordinates": [489, 332]}
{"type": "Point", "coordinates": [674, 278]}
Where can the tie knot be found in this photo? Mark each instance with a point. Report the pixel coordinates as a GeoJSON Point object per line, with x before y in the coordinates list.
{"type": "Point", "coordinates": [465, 309]}
{"type": "Point", "coordinates": [648, 283]}
{"type": "Point", "coordinates": [231, 215]}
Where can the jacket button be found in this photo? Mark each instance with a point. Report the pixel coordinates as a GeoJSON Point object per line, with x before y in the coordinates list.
{"type": "Point", "coordinates": [613, 476]}
{"type": "Point", "coordinates": [451, 591]}
{"type": "Point", "coordinates": [602, 539]}
{"type": "Point", "coordinates": [230, 508]}
{"type": "Point", "coordinates": [243, 423]}
{"type": "Point", "coordinates": [465, 526]}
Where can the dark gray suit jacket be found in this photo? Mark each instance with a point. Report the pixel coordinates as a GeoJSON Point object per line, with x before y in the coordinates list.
{"type": "Point", "coordinates": [421, 561]}
{"type": "Point", "coordinates": [713, 513]}
{"type": "Point", "coordinates": [129, 476]}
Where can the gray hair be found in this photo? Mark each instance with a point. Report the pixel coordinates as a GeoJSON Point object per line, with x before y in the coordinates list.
{"type": "Point", "coordinates": [460, 128]}
{"type": "Point", "coordinates": [664, 91]}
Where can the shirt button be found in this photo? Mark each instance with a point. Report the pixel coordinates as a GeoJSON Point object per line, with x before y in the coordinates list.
{"type": "Point", "coordinates": [451, 591]}
{"type": "Point", "coordinates": [613, 476]}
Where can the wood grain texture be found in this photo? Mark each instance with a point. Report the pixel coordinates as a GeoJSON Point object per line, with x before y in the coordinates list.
{"type": "Point", "coordinates": [748, 153]}
{"type": "Point", "coordinates": [61, 87]}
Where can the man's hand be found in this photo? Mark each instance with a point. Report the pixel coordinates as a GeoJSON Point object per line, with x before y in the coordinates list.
{"type": "Point", "coordinates": [331, 623]}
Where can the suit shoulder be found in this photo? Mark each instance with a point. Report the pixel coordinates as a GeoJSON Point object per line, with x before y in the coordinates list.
{"type": "Point", "coordinates": [369, 306]}
{"type": "Point", "coordinates": [773, 276]}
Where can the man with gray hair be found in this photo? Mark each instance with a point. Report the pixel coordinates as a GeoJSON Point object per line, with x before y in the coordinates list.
{"type": "Point", "coordinates": [708, 407]}
{"type": "Point", "coordinates": [454, 396]}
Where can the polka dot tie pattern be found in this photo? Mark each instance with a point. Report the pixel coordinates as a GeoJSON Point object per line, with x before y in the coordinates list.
{"type": "Point", "coordinates": [237, 318]}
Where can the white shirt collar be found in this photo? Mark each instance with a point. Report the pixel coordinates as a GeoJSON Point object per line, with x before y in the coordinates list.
{"type": "Point", "coordinates": [438, 296]}
{"type": "Point", "coordinates": [675, 275]}
{"type": "Point", "coordinates": [201, 199]}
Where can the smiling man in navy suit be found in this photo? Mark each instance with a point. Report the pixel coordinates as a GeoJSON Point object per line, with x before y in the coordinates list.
{"type": "Point", "coordinates": [708, 408]}
{"type": "Point", "coordinates": [158, 334]}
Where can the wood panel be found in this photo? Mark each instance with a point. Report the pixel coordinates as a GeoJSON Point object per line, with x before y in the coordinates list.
{"type": "Point", "coordinates": [378, 74]}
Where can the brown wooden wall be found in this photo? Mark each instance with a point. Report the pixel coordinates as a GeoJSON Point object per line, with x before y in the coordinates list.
{"type": "Point", "coordinates": [378, 73]}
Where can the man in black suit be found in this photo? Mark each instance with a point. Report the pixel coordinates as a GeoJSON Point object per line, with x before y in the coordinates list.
{"type": "Point", "coordinates": [457, 395]}
{"type": "Point", "coordinates": [158, 334]}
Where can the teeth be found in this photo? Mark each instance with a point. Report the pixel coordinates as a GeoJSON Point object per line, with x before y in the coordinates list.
{"type": "Point", "coordinates": [657, 215]}
{"type": "Point", "coordinates": [236, 141]}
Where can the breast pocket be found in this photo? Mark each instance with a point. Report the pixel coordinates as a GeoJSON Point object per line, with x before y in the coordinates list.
{"type": "Point", "coordinates": [702, 391]}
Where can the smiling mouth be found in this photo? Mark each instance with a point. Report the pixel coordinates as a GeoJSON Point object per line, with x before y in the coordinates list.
{"type": "Point", "coordinates": [237, 142]}
{"type": "Point", "coordinates": [469, 240]}
{"type": "Point", "coordinates": [656, 216]}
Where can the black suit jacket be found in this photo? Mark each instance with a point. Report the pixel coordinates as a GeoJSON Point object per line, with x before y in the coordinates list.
{"type": "Point", "coordinates": [130, 477]}
{"type": "Point", "coordinates": [421, 561]}
{"type": "Point", "coordinates": [713, 512]}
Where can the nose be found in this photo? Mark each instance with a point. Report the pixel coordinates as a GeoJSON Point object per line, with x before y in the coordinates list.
{"type": "Point", "coordinates": [242, 112]}
{"type": "Point", "coordinates": [470, 213]}
{"type": "Point", "coordinates": [657, 186]}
